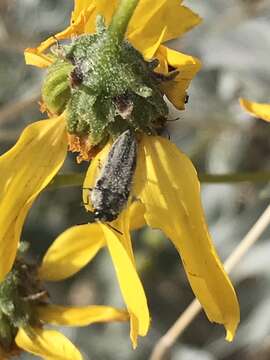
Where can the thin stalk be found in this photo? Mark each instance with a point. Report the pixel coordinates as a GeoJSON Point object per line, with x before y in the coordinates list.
{"type": "Point", "coordinates": [121, 18]}
{"type": "Point", "coordinates": [75, 179]}
{"type": "Point", "coordinates": [257, 176]}
{"type": "Point", "coordinates": [66, 180]}
{"type": "Point", "coordinates": [168, 340]}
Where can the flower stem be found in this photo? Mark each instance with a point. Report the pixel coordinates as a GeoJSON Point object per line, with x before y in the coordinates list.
{"type": "Point", "coordinates": [166, 342]}
{"type": "Point", "coordinates": [255, 176]}
{"type": "Point", "coordinates": [66, 180]}
{"type": "Point", "coordinates": [121, 18]}
{"type": "Point", "coordinates": [76, 179]}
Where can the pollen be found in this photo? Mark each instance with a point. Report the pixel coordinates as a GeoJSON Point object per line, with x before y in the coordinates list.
{"type": "Point", "coordinates": [83, 146]}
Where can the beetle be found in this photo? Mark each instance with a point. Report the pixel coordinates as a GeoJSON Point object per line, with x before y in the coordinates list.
{"type": "Point", "coordinates": [113, 185]}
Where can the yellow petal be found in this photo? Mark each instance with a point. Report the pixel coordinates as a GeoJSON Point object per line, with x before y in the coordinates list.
{"type": "Point", "coordinates": [151, 24]}
{"type": "Point", "coordinates": [80, 316]}
{"type": "Point", "coordinates": [261, 111]}
{"type": "Point", "coordinates": [122, 223]}
{"type": "Point", "coordinates": [155, 22]}
{"type": "Point", "coordinates": [136, 215]}
{"type": "Point", "coordinates": [48, 344]}
{"type": "Point", "coordinates": [122, 253]}
{"type": "Point", "coordinates": [171, 195]}
{"type": "Point", "coordinates": [71, 251]}
{"type": "Point", "coordinates": [130, 284]}
{"type": "Point", "coordinates": [120, 248]}
{"type": "Point", "coordinates": [80, 6]}
{"type": "Point", "coordinates": [187, 66]}
{"type": "Point", "coordinates": [33, 57]}
{"type": "Point", "coordinates": [100, 7]}
{"type": "Point", "coordinates": [36, 56]}
{"type": "Point", "coordinates": [26, 169]}
{"type": "Point", "coordinates": [92, 174]}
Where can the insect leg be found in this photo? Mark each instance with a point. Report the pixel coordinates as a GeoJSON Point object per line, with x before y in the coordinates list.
{"type": "Point", "coordinates": [113, 228]}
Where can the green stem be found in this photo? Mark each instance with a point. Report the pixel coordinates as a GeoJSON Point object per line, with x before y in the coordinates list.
{"type": "Point", "coordinates": [260, 176]}
{"type": "Point", "coordinates": [66, 180]}
{"type": "Point", "coordinates": [76, 179]}
{"type": "Point", "coordinates": [121, 18]}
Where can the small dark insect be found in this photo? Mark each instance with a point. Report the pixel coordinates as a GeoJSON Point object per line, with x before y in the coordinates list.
{"type": "Point", "coordinates": [186, 99]}
{"type": "Point", "coordinates": [124, 106]}
{"type": "Point", "coordinates": [112, 188]}
{"type": "Point", "coordinates": [163, 78]}
{"type": "Point", "coordinates": [76, 77]}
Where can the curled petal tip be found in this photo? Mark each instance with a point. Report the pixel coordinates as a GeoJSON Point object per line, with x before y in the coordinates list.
{"type": "Point", "coordinates": [258, 110]}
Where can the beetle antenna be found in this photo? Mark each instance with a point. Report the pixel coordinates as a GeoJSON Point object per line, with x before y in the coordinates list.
{"type": "Point", "coordinates": [113, 228]}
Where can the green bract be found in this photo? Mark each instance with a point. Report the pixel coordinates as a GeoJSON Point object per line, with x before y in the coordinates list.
{"type": "Point", "coordinates": [105, 87]}
{"type": "Point", "coordinates": [19, 293]}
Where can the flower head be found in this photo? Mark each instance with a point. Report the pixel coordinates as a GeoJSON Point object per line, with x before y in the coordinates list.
{"type": "Point", "coordinates": [41, 150]}
{"type": "Point", "coordinates": [25, 309]}
{"type": "Point", "coordinates": [151, 25]}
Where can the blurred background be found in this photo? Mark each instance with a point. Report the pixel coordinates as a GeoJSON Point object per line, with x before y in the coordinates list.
{"type": "Point", "coordinates": [233, 43]}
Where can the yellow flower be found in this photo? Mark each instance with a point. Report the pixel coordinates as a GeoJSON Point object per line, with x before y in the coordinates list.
{"type": "Point", "coordinates": [152, 24]}
{"type": "Point", "coordinates": [168, 198]}
{"type": "Point", "coordinates": [26, 170]}
{"type": "Point", "coordinates": [24, 310]}
{"type": "Point", "coordinates": [165, 182]}
{"type": "Point", "coordinates": [258, 110]}
{"type": "Point", "coordinates": [41, 150]}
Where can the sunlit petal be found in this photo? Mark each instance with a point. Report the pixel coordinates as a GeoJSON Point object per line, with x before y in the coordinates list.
{"type": "Point", "coordinates": [172, 198]}
{"type": "Point", "coordinates": [130, 284]}
{"type": "Point", "coordinates": [187, 66]}
{"type": "Point", "coordinates": [48, 344]}
{"type": "Point", "coordinates": [136, 215]}
{"type": "Point", "coordinates": [155, 22]}
{"type": "Point", "coordinates": [33, 57]}
{"type": "Point", "coordinates": [92, 174]}
{"type": "Point", "coordinates": [80, 6]}
{"type": "Point", "coordinates": [71, 251]}
{"type": "Point", "coordinates": [100, 7]}
{"type": "Point", "coordinates": [26, 169]}
{"type": "Point", "coordinates": [80, 316]}
{"type": "Point", "coordinates": [120, 248]}
{"type": "Point", "coordinates": [123, 224]}
{"type": "Point", "coordinates": [258, 110]}
{"type": "Point", "coordinates": [152, 23]}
